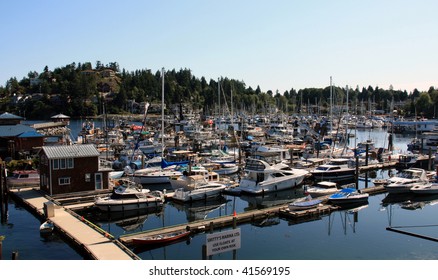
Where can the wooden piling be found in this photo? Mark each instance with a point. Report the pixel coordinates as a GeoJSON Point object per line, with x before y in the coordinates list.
{"type": "Point", "coordinates": [1, 246]}
{"type": "Point", "coordinates": [204, 252]}
{"type": "Point", "coordinates": [356, 175]}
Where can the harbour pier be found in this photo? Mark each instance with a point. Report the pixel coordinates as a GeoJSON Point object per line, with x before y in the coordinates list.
{"type": "Point", "coordinates": [89, 239]}
{"type": "Point", "coordinates": [209, 225]}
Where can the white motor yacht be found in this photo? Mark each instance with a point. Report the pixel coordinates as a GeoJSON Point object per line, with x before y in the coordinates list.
{"type": "Point", "coordinates": [260, 177]}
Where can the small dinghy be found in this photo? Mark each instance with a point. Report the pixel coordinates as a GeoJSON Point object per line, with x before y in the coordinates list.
{"type": "Point", "coordinates": [348, 196]}
{"type": "Point", "coordinates": [303, 204]}
{"type": "Point", "coordinates": [161, 239]}
{"type": "Point", "coordinates": [47, 227]}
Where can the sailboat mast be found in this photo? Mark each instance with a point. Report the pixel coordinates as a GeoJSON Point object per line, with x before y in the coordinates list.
{"type": "Point", "coordinates": [347, 101]}
{"type": "Point", "coordinates": [331, 105]}
{"type": "Point", "coordinates": [162, 113]}
{"type": "Point", "coordinates": [219, 103]}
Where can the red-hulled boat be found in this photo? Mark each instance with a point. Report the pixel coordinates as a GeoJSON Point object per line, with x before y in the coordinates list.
{"type": "Point", "coordinates": [161, 239]}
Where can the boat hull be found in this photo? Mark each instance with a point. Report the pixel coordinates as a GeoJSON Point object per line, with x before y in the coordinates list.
{"type": "Point", "coordinates": [348, 201]}
{"type": "Point", "coordinates": [109, 206]}
{"type": "Point", "coordinates": [314, 192]}
{"type": "Point", "coordinates": [399, 188]}
{"type": "Point", "coordinates": [425, 189]}
{"type": "Point", "coordinates": [334, 176]}
{"type": "Point", "coordinates": [348, 196]}
{"type": "Point", "coordinates": [271, 186]}
{"type": "Point", "coordinates": [198, 194]}
{"type": "Point", "coordinates": [161, 239]}
{"type": "Point", "coordinates": [47, 228]}
{"type": "Point", "coordinates": [304, 205]}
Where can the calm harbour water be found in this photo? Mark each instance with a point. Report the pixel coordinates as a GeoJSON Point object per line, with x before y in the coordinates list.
{"type": "Point", "coordinates": [342, 235]}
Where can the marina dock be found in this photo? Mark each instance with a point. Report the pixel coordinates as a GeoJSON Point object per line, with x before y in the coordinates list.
{"type": "Point", "coordinates": [92, 241]}
{"type": "Point", "coordinates": [282, 211]}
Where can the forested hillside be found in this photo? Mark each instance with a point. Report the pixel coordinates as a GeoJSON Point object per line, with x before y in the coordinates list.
{"type": "Point", "coordinates": [81, 89]}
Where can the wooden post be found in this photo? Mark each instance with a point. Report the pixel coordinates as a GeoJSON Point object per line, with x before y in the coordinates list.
{"type": "Point", "coordinates": [240, 152]}
{"type": "Point", "coordinates": [366, 154]}
{"type": "Point", "coordinates": [366, 179]}
{"type": "Point", "coordinates": [204, 252]}
{"type": "Point", "coordinates": [211, 227]}
{"type": "Point", "coordinates": [1, 246]}
{"type": "Point", "coordinates": [3, 198]}
{"type": "Point", "coordinates": [190, 165]}
{"type": "Point", "coordinates": [234, 227]}
{"type": "Point", "coordinates": [429, 166]}
{"type": "Point", "coordinates": [317, 148]}
{"type": "Point", "coordinates": [356, 175]}
{"type": "Point", "coordinates": [15, 255]}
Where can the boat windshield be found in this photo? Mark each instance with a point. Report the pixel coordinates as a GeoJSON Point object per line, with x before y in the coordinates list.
{"type": "Point", "coordinates": [323, 168]}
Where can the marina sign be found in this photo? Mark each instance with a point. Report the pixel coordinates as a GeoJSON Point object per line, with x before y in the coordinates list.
{"type": "Point", "coordinates": [223, 241]}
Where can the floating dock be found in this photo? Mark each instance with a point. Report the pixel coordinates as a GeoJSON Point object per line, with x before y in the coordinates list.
{"type": "Point", "coordinates": [209, 225]}
{"type": "Point", "coordinates": [90, 239]}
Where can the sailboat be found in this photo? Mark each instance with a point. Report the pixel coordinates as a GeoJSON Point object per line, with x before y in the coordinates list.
{"type": "Point", "coordinates": [162, 174]}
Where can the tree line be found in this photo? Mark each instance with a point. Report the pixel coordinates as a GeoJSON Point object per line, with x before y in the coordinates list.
{"type": "Point", "coordinates": [81, 90]}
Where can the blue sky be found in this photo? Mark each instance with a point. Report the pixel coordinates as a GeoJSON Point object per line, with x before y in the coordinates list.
{"type": "Point", "coordinates": [277, 44]}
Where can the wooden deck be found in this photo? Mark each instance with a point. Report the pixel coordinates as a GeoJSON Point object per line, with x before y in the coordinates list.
{"type": "Point", "coordinates": [247, 217]}
{"type": "Point", "coordinates": [90, 239]}
{"type": "Point", "coordinates": [209, 224]}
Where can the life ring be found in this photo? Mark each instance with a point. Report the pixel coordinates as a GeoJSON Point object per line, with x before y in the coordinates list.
{"type": "Point", "coordinates": [135, 158]}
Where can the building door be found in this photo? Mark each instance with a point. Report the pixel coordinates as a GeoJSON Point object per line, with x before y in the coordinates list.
{"type": "Point", "coordinates": [98, 181]}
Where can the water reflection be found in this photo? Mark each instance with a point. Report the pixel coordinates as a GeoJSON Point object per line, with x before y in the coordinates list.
{"type": "Point", "coordinates": [348, 218]}
{"type": "Point", "coordinates": [199, 210]}
{"type": "Point", "coordinates": [129, 221]}
{"type": "Point", "coordinates": [272, 199]}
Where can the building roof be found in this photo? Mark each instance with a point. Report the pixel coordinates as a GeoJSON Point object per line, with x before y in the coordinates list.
{"type": "Point", "coordinates": [14, 130]}
{"type": "Point", "coordinates": [9, 116]}
{"type": "Point", "coordinates": [30, 134]}
{"type": "Point", "coordinates": [73, 151]}
{"type": "Point", "coordinates": [60, 116]}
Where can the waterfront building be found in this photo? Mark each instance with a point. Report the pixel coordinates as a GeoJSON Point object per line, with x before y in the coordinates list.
{"type": "Point", "coordinates": [16, 139]}
{"type": "Point", "coordinates": [75, 168]}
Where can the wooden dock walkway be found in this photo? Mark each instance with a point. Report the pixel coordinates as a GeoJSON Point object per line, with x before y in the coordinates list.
{"type": "Point", "coordinates": [89, 238]}
{"type": "Point", "coordinates": [209, 225]}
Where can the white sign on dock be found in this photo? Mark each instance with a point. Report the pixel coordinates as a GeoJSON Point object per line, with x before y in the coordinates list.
{"type": "Point", "coordinates": [223, 241]}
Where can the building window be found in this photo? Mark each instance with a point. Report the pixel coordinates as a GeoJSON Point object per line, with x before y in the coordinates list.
{"type": "Point", "coordinates": [64, 181]}
{"type": "Point", "coordinates": [70, 164]}
{"type": "Point", "coordinates": [87, 177]}
{"type": "Point", "coordinates": [62, 163]}
{"type": "Point", "coordinates": [55, 164]}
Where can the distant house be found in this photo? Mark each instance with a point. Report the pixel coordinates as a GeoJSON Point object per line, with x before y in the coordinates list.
{"type": "Point", "coordinates": [89, 72]}
{"type": "Point", "coordinates": [61, 118]}
{"type": "Point", "coordinates": [10, 119]}
{"type": "Point", "coordinates": [108, 73]}
{"type": "Point", "coordinates": [17, 139]}
{"type": "Point", "coordinates": [67, 169]}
